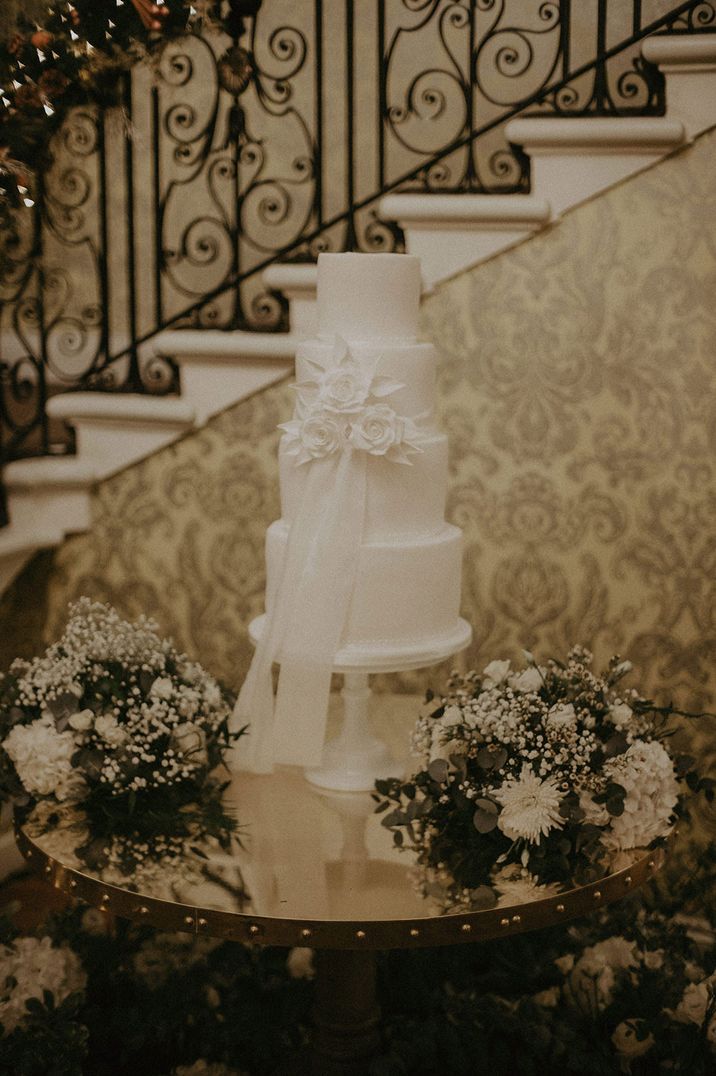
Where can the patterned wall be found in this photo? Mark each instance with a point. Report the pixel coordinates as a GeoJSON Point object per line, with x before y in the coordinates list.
{"type": "Point", "coordinates": [579, 392]}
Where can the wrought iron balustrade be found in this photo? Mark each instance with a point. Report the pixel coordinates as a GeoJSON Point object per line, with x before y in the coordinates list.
{"type": "Point", "coordinates": [231, 152]}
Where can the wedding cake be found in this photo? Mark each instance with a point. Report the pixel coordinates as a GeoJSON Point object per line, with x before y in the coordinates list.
{"type": "Point", "coordinates": [363, 571]}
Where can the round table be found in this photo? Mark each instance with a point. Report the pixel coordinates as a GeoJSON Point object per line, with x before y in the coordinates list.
{"type": "Point", "coordinates": [315, 869]}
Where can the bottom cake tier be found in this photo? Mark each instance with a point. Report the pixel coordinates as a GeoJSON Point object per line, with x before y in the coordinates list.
{"type": "Point", "coordinates": [406, 597]}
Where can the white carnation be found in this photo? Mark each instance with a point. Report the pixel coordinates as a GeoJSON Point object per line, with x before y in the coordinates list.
{"type": "Point", "coordinates": [43, 757]}
{"type": "Point", "coordinates": [621, 716]}
{"type": "Point", "coordinates": [28, 967]}
{"type": "Point", "coordinates": [647, 773]}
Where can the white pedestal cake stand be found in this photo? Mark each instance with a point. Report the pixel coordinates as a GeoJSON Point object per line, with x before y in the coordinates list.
{"type": "Point", "coordinates": [355, 758]}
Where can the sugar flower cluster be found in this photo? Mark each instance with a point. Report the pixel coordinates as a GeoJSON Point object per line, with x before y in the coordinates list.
{"type": "Point", "coordinates": [109, 710]}
{"type": "Point", "coordinates": [531, 778]}
{"type": "Point", "coordinates": [342, 408]}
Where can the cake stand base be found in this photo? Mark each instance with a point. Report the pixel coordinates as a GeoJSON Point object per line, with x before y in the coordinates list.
{"type": "Point", "coordinates": [354, 758]}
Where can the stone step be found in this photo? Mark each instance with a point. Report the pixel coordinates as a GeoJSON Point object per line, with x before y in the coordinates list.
{"type": "Point", "coordinates": [451, 232]}
{"type": "Point", "coordinates": [218, 369]}
{"type": "Point", "coordinates": [114, 430]}
{"type": "Point", "coordinates": [689, 63]}
{"type": "Point", "coordinates": [573, 158]}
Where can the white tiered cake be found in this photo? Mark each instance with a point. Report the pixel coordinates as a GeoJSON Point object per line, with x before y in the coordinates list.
{"type": "Point", "coordinates": [363, 572]}
{"type": "Point", "coordinates": [406, 596]}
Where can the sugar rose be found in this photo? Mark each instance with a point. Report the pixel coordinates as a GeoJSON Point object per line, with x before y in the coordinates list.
{"type": "Point", "coordinates": [377, 429]}
{"type": "Point", "coordinates": [320, 435]}
{"type": "Point", "coordinates": [345, 389]}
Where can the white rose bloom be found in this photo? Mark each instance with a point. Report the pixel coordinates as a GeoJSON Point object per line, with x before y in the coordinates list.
{"type": "Point", "coordinates": [107, 727]}
{"type": "Point", "coordinates": [647, 774]}
{"type": "Point", "coordinates": [626, 1041]}
{"type": "Point", "coordinates": [30, 966]}
{"type": "Point", "coordinates": [377, 429]}
{"type": "Point", "coordinates": [495, 673]}
{"type": "Point", "coordinates": [592, 979]}
{"type": "Point", "coordinates": [299, 963]}
{"type": "Point", "coordinates": [528, 680]}
{"type": "Point", "coordinates": [42, 756]}
{"type": "Point", "coordinates": [162, 688]}
{"type": "Point", "coordinates": [82, 720]}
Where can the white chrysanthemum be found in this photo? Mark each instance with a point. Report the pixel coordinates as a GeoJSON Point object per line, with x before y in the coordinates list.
{"type": "Point", "coordinates": [42, 757]}
{"type": "Point", "coordinates": [515, 885]}
{"type": "Point", "coordinates": [647, 773]}
{"type": "Point", "coordinates": [28, 967]}
{"type": "Point", "coordinates": [592, 979]}
{"type": "Point", "coordinates": [530, 806]}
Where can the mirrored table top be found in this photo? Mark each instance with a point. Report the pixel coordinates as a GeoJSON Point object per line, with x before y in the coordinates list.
{"type": "Point", "coordinates": [309, 868]}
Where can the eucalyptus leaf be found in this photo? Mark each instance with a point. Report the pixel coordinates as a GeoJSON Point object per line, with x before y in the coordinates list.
{"type": "Point", "coordinates": [438, 770]}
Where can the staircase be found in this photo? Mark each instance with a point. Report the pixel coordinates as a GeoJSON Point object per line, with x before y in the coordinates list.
{"type": "Point", "coordinates": [571, 160]}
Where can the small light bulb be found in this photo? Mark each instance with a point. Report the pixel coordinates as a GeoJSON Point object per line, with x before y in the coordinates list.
{"type": "Point", "coordinates": [74, 36]}
{"type": "Point", "coordinates": [41, 56]}
{"type": "Point", "coordinates": [48, 108]}
{"type": "Point", "coordinates": [28, 202]}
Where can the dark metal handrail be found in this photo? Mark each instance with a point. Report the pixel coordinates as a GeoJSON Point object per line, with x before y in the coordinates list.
{"type": "Point", "coordinates": [225, 146]}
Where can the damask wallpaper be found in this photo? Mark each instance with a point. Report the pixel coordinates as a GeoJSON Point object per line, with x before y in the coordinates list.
{"type": "Point", "coordinates": [578, 389]}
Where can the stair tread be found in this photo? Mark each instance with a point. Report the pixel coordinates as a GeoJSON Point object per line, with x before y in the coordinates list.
{"type": "Point", "coordinates": [126, 407]}
{"type": "Point", "coordinates": [207, 344]}
{"type": "Point", "coordinates": [596, 131]}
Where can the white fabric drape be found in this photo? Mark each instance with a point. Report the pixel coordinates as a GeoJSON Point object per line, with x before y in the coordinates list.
{"type": "Point", "coordinates": [306, 621]}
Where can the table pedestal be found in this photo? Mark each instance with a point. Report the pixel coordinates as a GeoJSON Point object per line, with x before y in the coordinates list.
{"type": "Point", "coordinates": [346, 1015]}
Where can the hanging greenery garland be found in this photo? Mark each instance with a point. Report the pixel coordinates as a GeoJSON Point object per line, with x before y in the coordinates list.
{"type": "Point", "coordinates": [57, 55]}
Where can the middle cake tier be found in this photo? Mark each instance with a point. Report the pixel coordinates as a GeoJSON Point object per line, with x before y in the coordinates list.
{"type": "Point", "coordinates": [406, 592]}
{"type": "Point", "coordinates": [402, 501]}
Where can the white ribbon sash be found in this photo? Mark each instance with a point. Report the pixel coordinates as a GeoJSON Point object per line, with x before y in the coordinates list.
{"type": "Point", "coordinates": [307, 618]}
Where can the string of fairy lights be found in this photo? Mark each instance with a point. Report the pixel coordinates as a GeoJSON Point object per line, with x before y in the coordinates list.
{"type": "Point", "coordinates": [77, 54]}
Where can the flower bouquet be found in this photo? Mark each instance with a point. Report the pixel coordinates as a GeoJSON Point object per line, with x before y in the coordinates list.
{"type": "Point", "coordinates": [113, 721]}
{"type": "Point", "coordinates": [535, 779]}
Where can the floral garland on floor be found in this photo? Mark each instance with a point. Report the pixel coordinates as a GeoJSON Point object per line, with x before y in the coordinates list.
{"type": "Point", "coordinates": [631, 991]}
{"type": "Point", "coordinates": [535, 779]}
{"type": "Point", "coordinates": [59, 54]}
{"type": "Point", "coordinates": [115, 726]}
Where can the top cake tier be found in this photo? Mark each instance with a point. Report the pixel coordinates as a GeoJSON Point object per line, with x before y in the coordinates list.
{"type": "Point", "coordinates": [368, 297]}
